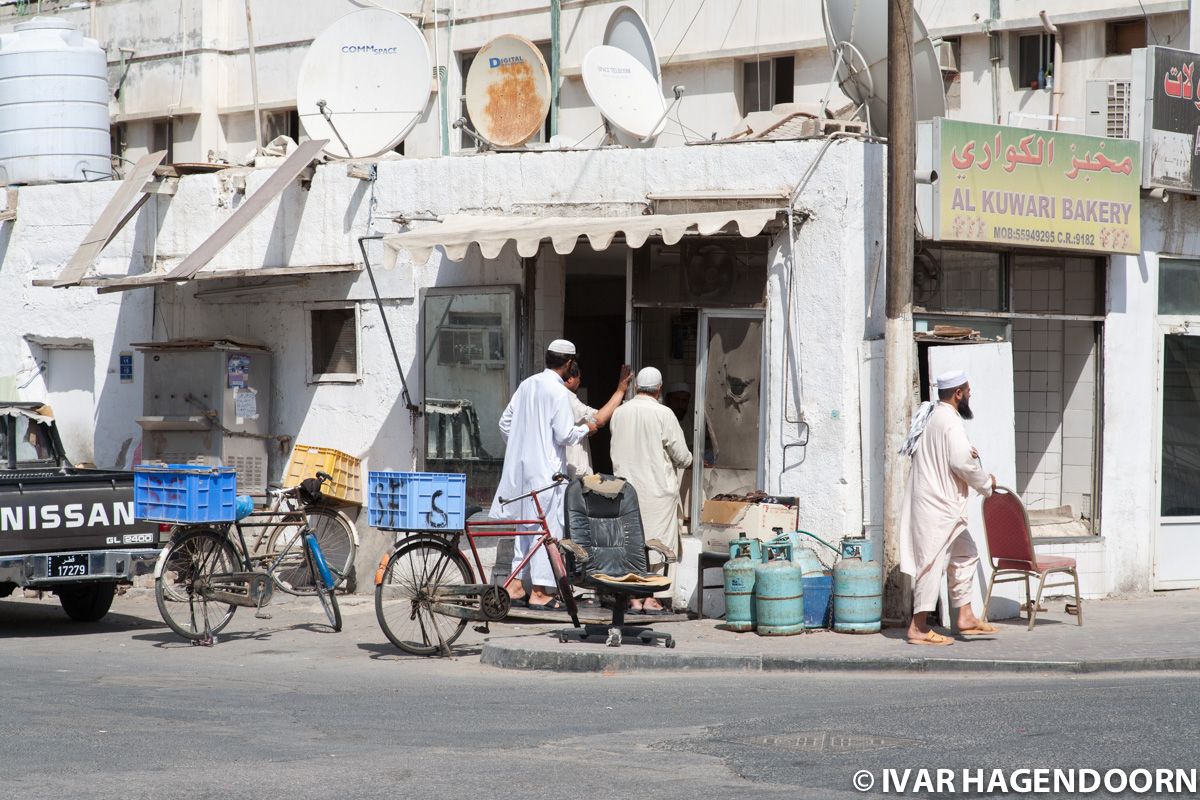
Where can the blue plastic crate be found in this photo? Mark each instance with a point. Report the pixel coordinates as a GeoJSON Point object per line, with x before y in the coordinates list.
{"type": "Point", "coordinates": [184, 493]}
{"type": "Point", "coordinates": [405, 501]}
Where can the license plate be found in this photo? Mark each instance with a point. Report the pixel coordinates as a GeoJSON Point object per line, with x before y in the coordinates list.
{"type": "Point", "coordinates": [70, 565]}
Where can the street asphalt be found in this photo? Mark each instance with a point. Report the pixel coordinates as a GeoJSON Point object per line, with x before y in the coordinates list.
{"type": "Point", "coordinates": [284, 707]}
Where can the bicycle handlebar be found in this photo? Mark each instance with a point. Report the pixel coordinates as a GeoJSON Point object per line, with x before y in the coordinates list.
{"type": "Point", "coordinates": [558, 479]}
{"type": "Point", "coordinates": [324, 477]}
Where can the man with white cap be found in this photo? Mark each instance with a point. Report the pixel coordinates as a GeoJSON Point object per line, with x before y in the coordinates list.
{"type": "Point", "coordinates": [933, 524]}
{"type": "Point", "coordinates": [649, 450]}
{"type": "Point", "coordinates": [538, 426]}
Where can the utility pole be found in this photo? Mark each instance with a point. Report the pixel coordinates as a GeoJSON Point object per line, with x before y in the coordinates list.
{"type": "Point", "coordinates": [258, 142]}
{"type": "Point", "coordinates": [898, 336]}
{"type": "Point", "coordinates": [1193, 28]}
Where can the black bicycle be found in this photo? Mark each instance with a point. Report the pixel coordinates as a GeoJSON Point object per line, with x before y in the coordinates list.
{"type": "Point", "coordinates": [207, 571]}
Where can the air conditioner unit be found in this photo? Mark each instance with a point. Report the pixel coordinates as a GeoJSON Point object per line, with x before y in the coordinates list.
{"type": "Point", "coordinates": [1108, 108]}
{"type": "Point", "coordinates": [946, 58]}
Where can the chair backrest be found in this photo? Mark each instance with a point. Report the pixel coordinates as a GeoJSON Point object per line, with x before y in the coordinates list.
{"type": "Point", "coordinates": [1007, 527]}
{"type": "Point", "coordinates": [608, 527]}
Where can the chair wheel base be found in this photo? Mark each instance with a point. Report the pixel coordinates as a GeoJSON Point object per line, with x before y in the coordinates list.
{"type": "Point", "coordinates": [614, 636]}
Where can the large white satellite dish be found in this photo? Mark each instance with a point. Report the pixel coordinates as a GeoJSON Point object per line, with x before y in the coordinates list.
{"type": "Point", "coordinates": [364, 83]}
{"type": "Point", "coordinates": [626, 30]}
{"type": "Point", "coordinates": [626, 93]}
{"type": "Point", "coordinates": [856, 31]}
{"type": "Point", "coordinates": [508, 91]}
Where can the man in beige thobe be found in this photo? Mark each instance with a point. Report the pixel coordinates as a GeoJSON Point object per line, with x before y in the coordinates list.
{"type": "Point", "coordinates": [648, 450]}
{"type": "Point", "coordinates": [933, 526]}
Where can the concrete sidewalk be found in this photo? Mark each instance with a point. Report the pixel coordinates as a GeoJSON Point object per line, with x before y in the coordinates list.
{"type": "Point", "coordinates": [1155, 632]}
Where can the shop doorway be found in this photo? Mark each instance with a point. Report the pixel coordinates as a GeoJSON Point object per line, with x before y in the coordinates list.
{"type": "Point", "coordinates": [594, 319]}
{"type": "Point", "coordinates": [1177, 545]}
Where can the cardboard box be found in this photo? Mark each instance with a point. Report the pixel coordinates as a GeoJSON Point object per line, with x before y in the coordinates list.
{"type": "Point", "coordinates": [722, 520]}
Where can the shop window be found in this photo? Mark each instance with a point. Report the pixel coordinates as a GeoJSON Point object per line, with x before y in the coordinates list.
{"type": "Point", "coordinates": [333, 343]}
{"type": "Point", "coordinates": [1035, 61]}
{"type": "Point", "coordinates": [285, 122]}
{"type": "Point", "coordinates": [1178, 286]}
{"type": "Point", "coordinates": [958, 280]}
{"type": "Point", "coordinates": [1123, 37]}
{"type": "Point", "coordinates": [701, 271]}
{"type": "Point", "coordinates": [469, 374]}
{"type": "Point", "coordinates": [766, 82]}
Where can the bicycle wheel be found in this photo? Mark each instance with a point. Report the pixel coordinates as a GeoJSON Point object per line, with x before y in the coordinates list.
{"type": "Point", "coordinates": [326, 594]}
{"type": "Point", "coordinates": [339, 543]}
{"type": "Point", "coordinates": [197, 562]}
{"type": "Point", "coordinates": [408, 588]}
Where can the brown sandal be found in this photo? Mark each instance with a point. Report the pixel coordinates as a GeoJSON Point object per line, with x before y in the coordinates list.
{"type": "Point", "coordinates": [982, 629]}
{"type": "Point", "coordinates": [932, 638]}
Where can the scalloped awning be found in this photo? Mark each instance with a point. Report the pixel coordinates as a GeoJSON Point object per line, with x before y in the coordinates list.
{"type": "Point", "coordinates": [456, 233]}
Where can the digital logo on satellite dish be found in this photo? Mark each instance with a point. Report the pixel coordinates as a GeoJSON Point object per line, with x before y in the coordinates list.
{"type": "Point", "coordinates": [374, 50]}
{"type": "Point", "coordinates": [614, 70]}
{"type": "Point", "coordinates": [495, 63]}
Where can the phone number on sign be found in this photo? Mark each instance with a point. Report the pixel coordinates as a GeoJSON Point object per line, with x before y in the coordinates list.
{"type": "Point", "coordinates": [1044, 237]}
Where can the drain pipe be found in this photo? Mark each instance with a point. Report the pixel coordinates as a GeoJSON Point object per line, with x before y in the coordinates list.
{"type": "Point", "coordinates": [994, 57]}
{"type": "Point", "coordinates": [1056, 78]}
{"type": "Point", "coordinates": [413, 409]}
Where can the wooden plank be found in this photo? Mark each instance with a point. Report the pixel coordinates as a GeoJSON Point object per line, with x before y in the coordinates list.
{"type": "Point", "coordinates": [114, 217]}
{"type": "Point", "coordinates": [108, 285]}
{"type": "Point", "coordinates": [284, 174]}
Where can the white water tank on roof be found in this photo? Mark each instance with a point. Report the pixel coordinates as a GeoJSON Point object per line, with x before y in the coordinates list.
{"type": "Point", "coordinates": [53, 105]}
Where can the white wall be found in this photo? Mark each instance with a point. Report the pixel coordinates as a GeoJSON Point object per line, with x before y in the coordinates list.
{"type": "Point", "coordinates": [836, 251]}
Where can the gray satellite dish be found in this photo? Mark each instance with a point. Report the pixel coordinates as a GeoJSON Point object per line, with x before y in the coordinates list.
{"type": "Point", "coordinates": [626, 30]}
{"type": "Point", "coordinates": [856, 31]}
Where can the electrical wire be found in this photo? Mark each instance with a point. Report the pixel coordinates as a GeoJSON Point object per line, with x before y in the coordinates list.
{"type": "Point", "coordinates": [683, 35]}
{"type": "Point", "coordinates": [1149, 25]}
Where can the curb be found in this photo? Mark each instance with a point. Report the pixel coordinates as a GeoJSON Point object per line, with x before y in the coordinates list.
{"type": "Point", "coordinates": [511, 655]}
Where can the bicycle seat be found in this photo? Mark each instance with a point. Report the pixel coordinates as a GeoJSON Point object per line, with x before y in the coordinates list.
{"type": "Point", "coordinates": [472, 511]}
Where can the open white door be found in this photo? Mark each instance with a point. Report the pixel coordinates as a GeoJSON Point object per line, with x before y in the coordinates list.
{"type": "Point", "coordinates": [1177, 543]}
{"type": "Point", "coordinates": [989, 368]}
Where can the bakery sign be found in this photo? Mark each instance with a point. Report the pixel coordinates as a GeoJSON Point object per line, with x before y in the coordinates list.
{"type": "Point", "coordinates": [1172, 119]}
{"type": "Point", "coordinates": [1000, 185]}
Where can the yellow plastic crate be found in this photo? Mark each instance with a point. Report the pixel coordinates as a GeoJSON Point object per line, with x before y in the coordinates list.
{"type": "Point", "coordinates": [346, 470]}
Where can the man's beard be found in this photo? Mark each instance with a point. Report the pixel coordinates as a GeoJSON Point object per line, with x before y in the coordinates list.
{"type": "Point", "coordinates": [964, 409]}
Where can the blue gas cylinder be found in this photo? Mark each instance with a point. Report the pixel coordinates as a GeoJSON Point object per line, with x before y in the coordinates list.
{"type": "Point", "coordinates": [857, 596]}
{"type": "Point", "coordinates": [858, 547]}
{"type": "Point", "coordinates": [755, 552]}
{"type": "Point", "coordinates": [739, 585]}
{"type": "Point", "coordinates": [818, 599]}
{"type": "Point", "coordinates": [778, 594]}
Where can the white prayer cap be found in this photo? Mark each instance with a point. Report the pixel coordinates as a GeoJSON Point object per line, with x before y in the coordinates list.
{"type": "Point", "coordinates": [679, 388]}
{"type": "Point", "coordinates": [951, 380]}
{"type": "Point", "coordinates": [562, 347]}
{"type": "Point", "coordinates": [649, 378]}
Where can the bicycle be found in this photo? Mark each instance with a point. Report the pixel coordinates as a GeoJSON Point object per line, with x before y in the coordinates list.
{"type": "Point", "coordinates": [205, 573]}
{"type": "Point", "coordinates": [426, 577]}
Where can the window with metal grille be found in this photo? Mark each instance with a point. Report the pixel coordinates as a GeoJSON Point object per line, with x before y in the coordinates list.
{"type": "Point", "coordinates": [1117, 119]}
{"type": "Point", "coordinates": [334, 343]}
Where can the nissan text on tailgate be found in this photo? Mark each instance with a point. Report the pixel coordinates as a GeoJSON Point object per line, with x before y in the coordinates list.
{"type": "Point", "coordinates": [65, 529]}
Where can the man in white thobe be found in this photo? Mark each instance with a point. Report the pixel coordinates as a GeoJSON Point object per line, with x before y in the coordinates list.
{"type": "Point", "coordinates": [933, 525]}
{"type": "Point", "coordinates": [649, 450]}
{"type": "Point", "coordinates": [538, 426]}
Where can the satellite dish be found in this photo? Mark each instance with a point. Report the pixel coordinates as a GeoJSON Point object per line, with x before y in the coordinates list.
{"type": "Point", "coordinates": [626, 93]}
{"type": "Point", "coordinates": [508, 91]}
{"type": "Point", "coordinates": [364, 83]}
{"type": "Point", "coordinates": [626, 30]}
{"type": "Point", "coordinates": [856, 31]}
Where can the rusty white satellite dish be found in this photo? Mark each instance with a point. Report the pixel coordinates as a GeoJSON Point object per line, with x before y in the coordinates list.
{"type": "Point", "coordinates": [508, 91]}
{"type": "Point", "coordinates": [626, 93]}
{"type": "Point", "coordinates": [364, 83]}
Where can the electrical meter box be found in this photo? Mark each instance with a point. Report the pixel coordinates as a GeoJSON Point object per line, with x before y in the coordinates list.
{"type": "Point", "coordinates": [208, 402]}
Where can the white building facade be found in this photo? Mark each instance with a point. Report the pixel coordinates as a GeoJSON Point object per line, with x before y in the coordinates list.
{"type": "Point", "coordinates": [812, 277]}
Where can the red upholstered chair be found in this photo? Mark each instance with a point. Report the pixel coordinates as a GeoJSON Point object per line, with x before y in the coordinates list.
{"type": "Point", "coordinates": [1012, 554]}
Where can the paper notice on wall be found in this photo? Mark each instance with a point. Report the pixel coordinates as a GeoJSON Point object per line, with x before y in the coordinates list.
{"type": "Point", "coordinates": [245, 405]}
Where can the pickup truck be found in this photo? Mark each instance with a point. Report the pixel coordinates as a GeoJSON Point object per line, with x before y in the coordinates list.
{"type": "Point", "coordinates": [65, 529]}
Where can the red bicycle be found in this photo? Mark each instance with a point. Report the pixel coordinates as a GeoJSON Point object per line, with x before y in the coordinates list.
{"type": "Point", "coordinates": [426, 591]}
